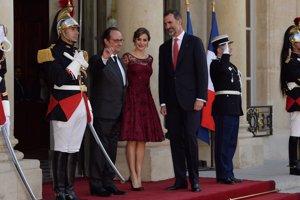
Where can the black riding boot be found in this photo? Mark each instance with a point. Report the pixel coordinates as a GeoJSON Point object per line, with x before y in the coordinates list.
{"type": "Point", "coordinates": [294, 160]}
{"type": "Point", "coordinates": [59, 173]}
{"type": "Point", "coordinates": [70, 175]}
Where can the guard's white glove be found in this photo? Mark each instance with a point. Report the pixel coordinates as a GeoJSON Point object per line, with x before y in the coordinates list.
{"type": "Point", "coordinates": [2, 33]}
{"type": "Point", "coordinates": [3, 39]}
{"type": "Point", "coordinates": [78, 61]}
{"type": "Point", "coordinates": [0, 79]}
{"type": "Point", "coordinates": [6, 108]}
{"type": "Point", "coordinates": [91, 112]}
{"type": "Point", "coordinates": [226, 49]}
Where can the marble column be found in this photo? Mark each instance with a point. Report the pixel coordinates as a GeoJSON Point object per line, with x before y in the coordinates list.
{"type": "Point", "coordinates": [12, 187]}
{"type": "Point", "coordinates": [130, 15]}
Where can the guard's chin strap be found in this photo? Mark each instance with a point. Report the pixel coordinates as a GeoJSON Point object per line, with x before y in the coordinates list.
{"type": "Point", "coordinates": [5, 41]}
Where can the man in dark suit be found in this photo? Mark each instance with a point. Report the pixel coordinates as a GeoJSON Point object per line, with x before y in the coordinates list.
{"type": "Point", "coordinates": [227, 108]}
{"type": "Point", "coordinates": [182, 94]}
{"type": "Point", "coordinates": [108, 84]}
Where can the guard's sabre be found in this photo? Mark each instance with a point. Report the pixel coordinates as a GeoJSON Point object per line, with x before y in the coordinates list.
{"type": "Point", "coordinates": [16, 162]}
{"type": "Point", "coordinates": [122, 180]}
{"type": "Point", "coordinates": [80, 22]}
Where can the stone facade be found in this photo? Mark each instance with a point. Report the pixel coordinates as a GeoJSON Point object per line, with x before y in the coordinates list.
{"type": "Point", "coordinates": [12, 188]}
{"type": "Point", "coordinates": [271, 19]}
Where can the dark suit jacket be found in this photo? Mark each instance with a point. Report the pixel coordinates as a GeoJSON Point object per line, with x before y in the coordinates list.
{"type": "Point", "coordinates": [189, 80]}
{"type": "Point", "coordinates": [224, 76]}
{"type": "Point", "coordinates": [107, 90]}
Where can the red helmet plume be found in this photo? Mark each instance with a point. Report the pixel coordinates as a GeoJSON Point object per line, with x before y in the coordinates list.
{"type": "Point", "coordinates": [297, 21]}
{"type": "Point", "coordinates": [65, 3]}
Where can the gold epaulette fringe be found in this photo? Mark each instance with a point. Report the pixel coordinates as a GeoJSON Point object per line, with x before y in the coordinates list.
{"type": "Point", "coordinates": [287, 60]}
{"type": "Point", "coordinates": [45, 55]}
{"type": "Point", "coordinates": [3, 94]}
{"type": "Point", "coordinates": [86, 56]}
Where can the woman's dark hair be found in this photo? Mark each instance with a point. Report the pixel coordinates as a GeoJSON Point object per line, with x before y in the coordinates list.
{"type": "Point", "coordinates": [139, 32]}
{"type": "Point", "coordinates": [283, 56]}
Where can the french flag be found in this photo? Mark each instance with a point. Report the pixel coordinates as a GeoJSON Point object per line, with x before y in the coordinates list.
{"type": "Point", "coordinates": [207, 121]}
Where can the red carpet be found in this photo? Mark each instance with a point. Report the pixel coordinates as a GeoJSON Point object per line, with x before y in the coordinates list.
{"type": "Point", "coordinates": [155, 190]}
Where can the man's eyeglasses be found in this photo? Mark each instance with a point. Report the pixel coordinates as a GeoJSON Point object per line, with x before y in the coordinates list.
{"type": "Point", "coordinates": [117, 40]}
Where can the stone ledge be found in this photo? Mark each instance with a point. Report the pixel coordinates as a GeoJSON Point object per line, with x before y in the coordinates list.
{"type": "Point", "coordinates": [13, 188]}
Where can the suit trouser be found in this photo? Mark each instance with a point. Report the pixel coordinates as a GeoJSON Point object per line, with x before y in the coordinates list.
{"type": "Point", "coordinates": [226, 136]}
{"type": "Point", "coordinates": [182, 127]}
{"type": "Point", "coordinates": [101, 174]}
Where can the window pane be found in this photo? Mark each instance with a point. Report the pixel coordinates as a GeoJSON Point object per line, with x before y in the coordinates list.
{"type": "Point", "coordinates": [248, 93]}
{"type": "Point", "coordinates": [248, 52]}
{"type": "Point", "coordinates": [248, 21]}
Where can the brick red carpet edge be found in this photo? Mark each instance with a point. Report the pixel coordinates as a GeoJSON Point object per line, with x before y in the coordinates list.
{"type": "Point", "coordinates": [156, 190]}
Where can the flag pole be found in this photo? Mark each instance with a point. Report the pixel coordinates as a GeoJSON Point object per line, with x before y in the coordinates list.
{"type": "Point", "coordinates": [187, 3]}
{"type": "Point", "coordinates": [212, 141]}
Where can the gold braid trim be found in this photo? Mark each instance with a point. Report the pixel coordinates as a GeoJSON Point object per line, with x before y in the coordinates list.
{"type": "Point", "coordinates": [287, 60]}
{"type": "Point", "coordinates": [4, 94]}
{"type": "Point", "coordinates": [45, 55]}
{"type": "Point", "coordinates": [86, 56]}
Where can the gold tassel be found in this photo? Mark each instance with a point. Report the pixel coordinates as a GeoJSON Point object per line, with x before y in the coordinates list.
{"type": "Point", "coordinates": [287, 60]}
{"type": "Point", "coordinates": [86, 56]}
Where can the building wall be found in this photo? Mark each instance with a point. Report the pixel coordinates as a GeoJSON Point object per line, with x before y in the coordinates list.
{"type": "Point", "coordinates": [273, 18]}
{"type": "Point", "coordinates": [14, 189]}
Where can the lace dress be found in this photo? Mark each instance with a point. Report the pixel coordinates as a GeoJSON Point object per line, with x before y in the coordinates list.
{"type": "Point", "coordinates": [140, 118]}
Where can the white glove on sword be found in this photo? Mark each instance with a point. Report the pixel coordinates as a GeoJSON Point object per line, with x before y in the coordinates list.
{"type": "Point", "coordinates": [77, 61]}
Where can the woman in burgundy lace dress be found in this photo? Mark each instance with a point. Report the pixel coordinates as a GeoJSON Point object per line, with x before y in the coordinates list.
{"type": "Point", "coordinates": [140, 122]}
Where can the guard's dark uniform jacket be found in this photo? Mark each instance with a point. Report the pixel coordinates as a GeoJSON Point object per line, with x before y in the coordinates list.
{"type": "Point", "coordinates": [62, 102]}
{"type": "Point", "coordinates": [3, 71]}
{"type": "Point", "coordinates": [3, 92]}
{"type": "Point", "coordinates": [225, 77]}
{"type": "Point", "coordinates": [293, 80]}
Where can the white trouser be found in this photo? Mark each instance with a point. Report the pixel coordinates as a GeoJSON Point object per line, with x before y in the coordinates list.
{"type": "Point", "coordinates": [295, 124]}
{"type": "Point", "coordinates": [68, 135]}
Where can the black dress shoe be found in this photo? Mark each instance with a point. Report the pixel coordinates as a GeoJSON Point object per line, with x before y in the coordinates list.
{"type": "Point", "coordinates": [236, 180]}
{"type": "Point", "coordinates": [227, 181]}
{"type": "Point", "coordinates": [196, 188]}
{"type": "Point", "coordinates": [138, 188]}
{"type": "Point", "coordinates": [115, 191]}
{"type": "Point", "coordinates": [100, 192]}
{"type": "Point", "coordinates": [177, 187]}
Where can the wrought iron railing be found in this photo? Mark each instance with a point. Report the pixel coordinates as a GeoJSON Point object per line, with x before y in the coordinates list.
{"type": "Point", "coordinates": [260, 120]}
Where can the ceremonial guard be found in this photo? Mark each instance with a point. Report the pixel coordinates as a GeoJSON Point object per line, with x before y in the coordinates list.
{"type": "Point", "coordinates": [5, 107]}
{"type": "Point", "coordinates": [227, 108]}
{"type": "Point", "coordinates": [290, 87]}
{"type": "Point", "coordinates": [68, 110]}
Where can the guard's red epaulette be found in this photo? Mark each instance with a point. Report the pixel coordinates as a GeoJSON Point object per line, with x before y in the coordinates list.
{"type": "Point", "coordinates": [45, 55]}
